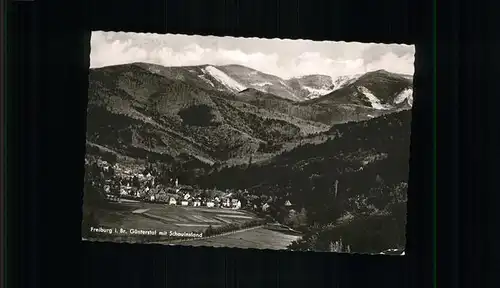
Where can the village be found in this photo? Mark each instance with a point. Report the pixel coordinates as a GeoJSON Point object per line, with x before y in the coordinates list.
{"type": "Point", "coordinates": [127, 184]}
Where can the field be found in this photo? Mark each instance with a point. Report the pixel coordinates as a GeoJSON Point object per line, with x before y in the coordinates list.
{"type": "Point", "coordinates": [162, 217]}
{"type": "Point", "coordinates": [258, 238]}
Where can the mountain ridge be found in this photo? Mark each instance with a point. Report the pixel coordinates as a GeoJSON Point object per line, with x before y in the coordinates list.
{"type": "Point", "coordinates": [183, 110]}
{"type": "Point", "coordinates": [298, 89]}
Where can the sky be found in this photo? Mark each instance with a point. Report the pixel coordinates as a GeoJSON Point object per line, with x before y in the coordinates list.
{"type": "Point", "coordinates": [284, 58]}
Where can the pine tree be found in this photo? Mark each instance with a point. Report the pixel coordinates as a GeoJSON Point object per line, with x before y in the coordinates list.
{"type": "Point", "coordinates": [209, 231]}
{"type": "Point", "coordinates": [331, 247]}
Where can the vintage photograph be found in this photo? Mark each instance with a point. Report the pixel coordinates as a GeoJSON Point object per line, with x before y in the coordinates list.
{"type": "Point", "coordinates": [254, 143]}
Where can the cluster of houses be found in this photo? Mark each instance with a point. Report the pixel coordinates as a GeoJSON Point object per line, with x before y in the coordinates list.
{"type": "Point", "coordinates": [139, 186]}
{"type": "Point", "coordinates": [134, 184]}
{"type": "Point", "coordinates": [188, 200]}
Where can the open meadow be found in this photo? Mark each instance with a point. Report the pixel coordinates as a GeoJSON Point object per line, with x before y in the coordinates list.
{"type": "Point", "coordinates": [257, 238]}
{"type": "Point", "coordinates": [162, 217]}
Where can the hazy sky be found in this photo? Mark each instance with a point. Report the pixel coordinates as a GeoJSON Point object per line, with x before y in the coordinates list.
{"type": "Point", "coordinates": [283, 58]}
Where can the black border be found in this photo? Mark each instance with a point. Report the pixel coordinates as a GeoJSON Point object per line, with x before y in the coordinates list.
{"type": "Point", "coordinates": [52, 58]}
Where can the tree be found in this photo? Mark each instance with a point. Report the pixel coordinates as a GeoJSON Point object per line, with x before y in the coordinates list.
{"type": "Point", "coordinates": [115, 190]}
{"type": "Point", "coordinates": [297, 220]}
{"type": "Point", "coordinates": [135, 182]}
{"type": "Point", "coordinates": [332, 247]}
{"type": "Point", "coordinates": [210, 231]}
{"type": "Point", "coordinates": [94, 169]}
{"type": "Point", "coordinates": [92, 195]}
{"type": "Point", "coordinates": [302, 217]}
{"type": "Point", "coordinates": [111, 171]}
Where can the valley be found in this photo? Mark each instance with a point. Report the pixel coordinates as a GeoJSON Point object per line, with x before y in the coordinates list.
{"type": "Point", "coordinates": [318, 151]}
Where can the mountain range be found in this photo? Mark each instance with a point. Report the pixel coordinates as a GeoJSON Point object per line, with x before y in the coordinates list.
{"type": "Point", "coordinates": [223, 114]}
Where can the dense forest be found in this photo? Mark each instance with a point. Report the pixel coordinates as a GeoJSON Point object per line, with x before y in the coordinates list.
{"type": "Point", "coordinates": [362, 172]}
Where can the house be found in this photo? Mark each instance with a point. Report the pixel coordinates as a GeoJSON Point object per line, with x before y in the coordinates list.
{"type": "Point", "coordinates": [265, 207]}
{"type": "Point", "coordinates": [235, 204]}
{"type": "Point", "coordinates": [184, 203]}
{"type": "Point", "coordinates": [187, 196]}
{"type": "Point", "coordinates": [197, 203]}
{"type": "Point", "coordinates": [152, 198]}
{"type": "Point", "coordinates": [210, 204]}
{"type": "Point", "coordinates": [172, 201]}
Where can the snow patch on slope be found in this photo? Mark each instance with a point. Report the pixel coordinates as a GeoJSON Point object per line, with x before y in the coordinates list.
{"type": "Point", "coordinates": [283, 83]}
{"type": "Point", "coordinates": [206, 80]}
{"type": "Point", "coordinates": [262, 84]}
{"type": "Point", "coordinates": [374, 101]}
{"type": "Point", "coordinates": [315, 93]}
{"type": "Point", "coordinates": [410, 99]}
{"type": "Point", "coordinates": [406, 94]}
{"type": "Point", "coordinates": [154, 70]}
{"type": "Point", "coordinates": [290, 92]}
{"type": "Point", "coordinates": [224, 79]}
{"type": "Point", "coordinates": [342, 81]}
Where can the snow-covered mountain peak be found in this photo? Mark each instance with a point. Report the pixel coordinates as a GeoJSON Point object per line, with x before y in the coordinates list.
{"type": "Point", "coordinates": [317, 92]}
{"type": "Point", "coordinates": [224, 79]}
{"type": "Point", "coordinates": [327, 84]}
{"type": "Point", "coordinates": [342, 81]}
